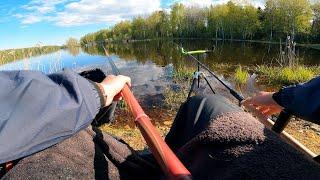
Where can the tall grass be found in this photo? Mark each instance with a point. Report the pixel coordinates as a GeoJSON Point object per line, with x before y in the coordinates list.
{"type": "Point", "coordinates": [183, 73]}
{"type": "Point", "coordinates": [287, 75]}
{"type": "Point", "coordinates": [241, 75]}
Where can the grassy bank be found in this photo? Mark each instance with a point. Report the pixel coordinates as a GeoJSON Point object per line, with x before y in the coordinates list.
{"type": "Point", "coordinates": [10, 55]}
{"type": "Point", "coordinates": [279, 76]}
{"type": "Point", "coordinates": [267, 75]}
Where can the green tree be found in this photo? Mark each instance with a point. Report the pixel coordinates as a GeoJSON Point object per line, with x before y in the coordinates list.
{"type": "Point", "coordinates": [250, 22]}
{"type": "Point", "coordinates": [217, 20]}
{"type": "Point", "coordinates": [102, 35]}
{"type": "Point", "coordinates": [237, 19]}
{"type": "Point", "coordinates": [195, 22]}
{"type": "Point", "coordinates": [288, 17]}
{"type": "Point", "coordinates": [177, 18]}
{"type": "Point", "coordinates": [138, 28]}
{"type": "Point", "coordinates": [72, 42]}
{"type": "Point", "coordinates": [315, 30]}
{"type": "Point", "coordinates": [122, 30]}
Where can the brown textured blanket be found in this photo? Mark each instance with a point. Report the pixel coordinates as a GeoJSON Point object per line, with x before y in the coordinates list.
{"type": "Point", "coordinates": [232, 146]}
{"type": "Point", "coordinates": [87, 155]}
{"type": "Point", "coordinates": [236, 146]}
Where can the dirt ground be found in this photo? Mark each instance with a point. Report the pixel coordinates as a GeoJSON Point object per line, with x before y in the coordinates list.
{"type": "Point", "coordinates": [307, 133]}
{"type": "Point", "coordinates": [125, 128]}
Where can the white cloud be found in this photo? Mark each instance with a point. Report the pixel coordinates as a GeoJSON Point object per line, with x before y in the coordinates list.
{"type": "Point", "coordinates": [31, 19]}
{"type": "Point", "coordinates": [111, 11]}
{"type": "Point", "coordinates": [83, 12]}
{"type": "Point", "coordinates": [42, 6]}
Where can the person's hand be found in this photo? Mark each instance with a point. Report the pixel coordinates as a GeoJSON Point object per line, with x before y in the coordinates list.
{"type": "Point", "coordinates": [264, 103]}
{"type": "Point", "coordinates": [112, 86]}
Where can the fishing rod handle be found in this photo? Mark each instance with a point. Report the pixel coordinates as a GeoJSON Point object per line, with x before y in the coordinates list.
{"type": "Point", "coordinates": [281, 122]}
{"type": "Point", "coordinates": [236, 95]}
{"type": "Point", "coordinates": [167, 160]}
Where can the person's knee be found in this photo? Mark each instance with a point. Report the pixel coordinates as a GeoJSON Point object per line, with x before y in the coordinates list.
{"type": "Point", "coordinates": [215, 104]}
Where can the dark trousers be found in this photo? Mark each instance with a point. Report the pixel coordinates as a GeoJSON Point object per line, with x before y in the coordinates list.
{"type": "Point", "coordinates": [194, 115]}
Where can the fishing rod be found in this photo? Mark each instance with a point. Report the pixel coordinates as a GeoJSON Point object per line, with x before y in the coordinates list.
{"type": "Point", "coordinates": [231, 90]}
{"type": "Point", "coordinates": [168, 161]}
{"type": "Point", "coordinates": [278, 126]}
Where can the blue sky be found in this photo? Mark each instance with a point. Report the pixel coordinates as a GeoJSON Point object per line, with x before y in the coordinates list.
{"type": "Point", "coordinates": [25, 23]}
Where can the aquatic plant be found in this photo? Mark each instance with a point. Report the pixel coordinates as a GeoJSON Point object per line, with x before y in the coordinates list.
{"type": "Point", "coordinates": [299, 74]}
{"type": "Point", "coordinates": [241, 76]}
{"type": "Point", "coordinates": [279, 76]}
{"type": "Point", "coordinates": [183, 73]}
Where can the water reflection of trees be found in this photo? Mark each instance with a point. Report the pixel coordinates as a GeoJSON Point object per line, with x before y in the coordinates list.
{"type": "Point", "coordinates": [160, 52]}
{"type": "Point", "coordinates": [164, 52]}
{"type": "Point", "coordinates": [9, 55]}
{"type": "Point", "coordinates": [74, 50]}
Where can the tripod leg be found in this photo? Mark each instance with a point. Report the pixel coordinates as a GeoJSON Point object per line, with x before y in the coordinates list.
{"type": "Point", "coordinates": [192, 87]}
{"type": "Point", "coordinates": [198, 71]}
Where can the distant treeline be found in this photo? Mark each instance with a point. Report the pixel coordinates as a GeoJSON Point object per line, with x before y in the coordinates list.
{"type": "Point", "coordinates": [278, 19]}
{"type": "Point", "coordinates": [16, 54]}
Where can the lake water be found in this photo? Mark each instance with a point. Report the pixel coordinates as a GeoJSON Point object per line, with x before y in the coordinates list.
{"type": "Point", "coordinates": [150, 64]}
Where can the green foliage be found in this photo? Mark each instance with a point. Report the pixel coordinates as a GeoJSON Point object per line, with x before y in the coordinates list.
{"type": "Point", "coordinates": [177, 18]}
{"type": "Point", "coordinates": [122, 30]}
{"type": "Point", "coordinates": [9, 55]}
{"type": "Point", "coordinates": [241, 76]}
{"type": "Point", "coordinates": [287, 75]}
{"type": "Point", "coordinates": [72, 42]}
{"type": "Point", "coordinates": [183, 73]}
{"type": "Point", "coordinates": [278, 19]}
{"type": "Point", "coordinates": [287, 17]}
{"type": "Point", "coordinates": [296, 75]}
{"type": "Point", "coordinates": [315, 28]}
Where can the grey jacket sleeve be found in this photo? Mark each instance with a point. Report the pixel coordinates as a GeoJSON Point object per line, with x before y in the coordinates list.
{"type": "Point", "coordinates": [302, 100]}
{"type": "Point", "coordinates": [38, 111]}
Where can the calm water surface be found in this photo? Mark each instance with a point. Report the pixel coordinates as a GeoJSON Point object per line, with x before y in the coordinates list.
{"type": "Point", "coordinates": [150, 64]}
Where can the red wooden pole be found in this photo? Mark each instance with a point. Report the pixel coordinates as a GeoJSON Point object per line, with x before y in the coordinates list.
{"type": "Point", "coordinates": [170, 164]}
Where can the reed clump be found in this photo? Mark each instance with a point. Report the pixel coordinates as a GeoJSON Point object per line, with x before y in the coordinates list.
{"type": "Point", "coordinates": [241, 75]}
{"type": "Point", "coordinates": [279, 76]}
{"type": "Point", "coordinates": [183, 73]}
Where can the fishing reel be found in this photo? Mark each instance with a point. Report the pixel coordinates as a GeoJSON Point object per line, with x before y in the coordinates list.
{"type": "Point", "coordinates": [106, 114]}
